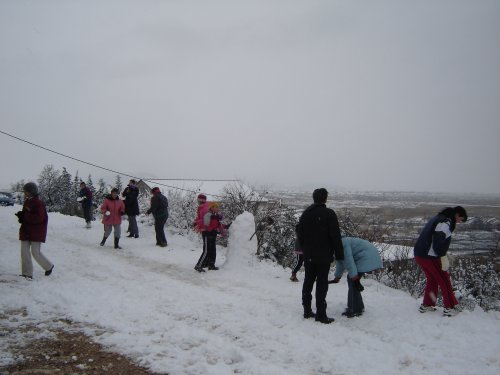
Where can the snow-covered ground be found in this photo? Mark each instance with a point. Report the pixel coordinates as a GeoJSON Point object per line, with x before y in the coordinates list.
{"type": "Point", "coordinates": [149, 304]}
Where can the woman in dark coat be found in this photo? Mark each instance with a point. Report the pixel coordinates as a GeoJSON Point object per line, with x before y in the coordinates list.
{"type": "Point", "coordinates": [33, 232]}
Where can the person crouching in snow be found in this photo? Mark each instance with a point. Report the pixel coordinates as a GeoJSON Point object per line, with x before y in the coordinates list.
{"type": "Point", "coordinates": [112, 210]}
{"type": "Point", "coordinates": [212, 226]}
{"type": "Point", "coordinates": [360, 256]}
{"type": "Point", "coordinates": [33, 232]}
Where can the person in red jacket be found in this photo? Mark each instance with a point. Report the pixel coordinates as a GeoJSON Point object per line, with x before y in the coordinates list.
{"type": "Point", "coordinates": [210, 225]}
{"type": "Point", "coordinates": [112, 210]}
{"type": "Point", "coordinates": [33, 232]}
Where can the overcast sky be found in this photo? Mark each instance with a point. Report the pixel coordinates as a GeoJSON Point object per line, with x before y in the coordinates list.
{"type": "Point", "coordinates": [363, 95]}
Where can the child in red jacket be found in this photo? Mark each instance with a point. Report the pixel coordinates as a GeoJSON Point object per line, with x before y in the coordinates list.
{"type": "Point", "coordinates": [211, 227]}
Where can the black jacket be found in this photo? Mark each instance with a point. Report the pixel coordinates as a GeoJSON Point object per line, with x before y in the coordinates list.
{"type": "Point", "coordinates": [319, 236]}
{"type": "Point", "coordinates": [131, 194]}
{"type": "Point", "coordinates": [159, 206]}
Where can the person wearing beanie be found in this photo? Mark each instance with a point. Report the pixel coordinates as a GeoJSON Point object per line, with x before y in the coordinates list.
{"type": "Point", "coordinates": [159, 209]}
{"type": "Point", "coordinates": [319, 238]}
{"type": "Point", "coordinates": [112, 209]}
{"type": "Point", "coordinates": [131, 195]}
{"type": "Point", "coordinates": [33, 232]}
{"type": "Point", "coordinates": [212, 226]}
{"type": "Point", "coordinates": [85, 198]}
{"type": "Point", "coordinates": [199, 226]}
{"type": "Point", "coordinates": [430, 253]}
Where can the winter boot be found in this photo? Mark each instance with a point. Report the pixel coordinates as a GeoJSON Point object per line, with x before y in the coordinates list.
{"type": "Point", "coordinates": [117, 240]}
{"type": "Point", "coordinates": [324, 319]}
{"type": "Point", "coordinates": [48, 272]}
{"type": "Point", "coordinates": [308, 313]}
{"type": "Point", "coordinates": [213, 268]}
{"type": "Point", "coordinates": [103, 241]}
{"type": "Point", "coordinates": [321, 314]}
{"type": "Point", "coordinates": [294, 277]}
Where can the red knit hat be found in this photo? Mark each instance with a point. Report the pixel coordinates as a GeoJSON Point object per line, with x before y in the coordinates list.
{"type": "Point", "coordinates": [202, 197]}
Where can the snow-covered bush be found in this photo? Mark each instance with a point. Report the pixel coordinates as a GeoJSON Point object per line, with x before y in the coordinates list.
{"type": "Point", "coordinates": [276, 237]}
{"type": "Point", "coordinates": [182, 210]}
{"type": "Point", "coordinates": [476, 280]}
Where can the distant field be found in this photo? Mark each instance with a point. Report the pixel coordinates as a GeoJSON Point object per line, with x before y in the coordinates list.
{"type": "Point", "coordinates": [408, 212]}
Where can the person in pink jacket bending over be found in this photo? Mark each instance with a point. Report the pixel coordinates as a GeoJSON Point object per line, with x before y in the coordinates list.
{"type": "Point", "coordinates": [112, 210]}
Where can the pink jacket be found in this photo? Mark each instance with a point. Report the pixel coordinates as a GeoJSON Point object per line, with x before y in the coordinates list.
{"type": "Point", "coordinates": [199, 225]}
{"type": "Point", "coordinates": [116, 209]}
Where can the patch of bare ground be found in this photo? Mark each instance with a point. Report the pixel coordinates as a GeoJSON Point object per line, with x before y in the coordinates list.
{"type": "Point", "coordinates": [65, 352]}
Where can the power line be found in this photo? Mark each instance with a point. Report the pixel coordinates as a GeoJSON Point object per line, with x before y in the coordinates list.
{"type": "Point", "coordinates": [118, 172]}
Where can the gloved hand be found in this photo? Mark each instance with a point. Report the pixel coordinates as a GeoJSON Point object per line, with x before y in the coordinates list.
{"type": "Point", "coordinates": [107, 213]}
{"type": "Point", "coordinates": [80, 199]}
{"type": "Point", "coordinates": [334, 281]}
{"type": "Point", "coordinates": [19, 215]}
{"type": "Point", "coordinates": [445, 263]}
{"type": "Point", "coordinates": [357, 285]}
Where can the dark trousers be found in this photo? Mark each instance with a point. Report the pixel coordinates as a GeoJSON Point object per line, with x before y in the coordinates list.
{"type": "Point", "coordinates": [315, 272]}
{"type": "Point", "coordinates": [132, 225]}
{"type": "Point", "coordinates": [210, 239]}
{"type": "Point", "coordinates": [209, 253]}
{"type": "Point", "coordinates": [299, 261]}
{"type": "Point", "coordinates": [354, 300]}
{"type": "Point", "coordinates": [160, 230]}
{"type": "Point", "coordinates": [87, 213]}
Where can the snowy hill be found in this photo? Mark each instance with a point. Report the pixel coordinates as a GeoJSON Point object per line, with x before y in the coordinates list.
{"type": "Point", "coordinates": [149, 304]}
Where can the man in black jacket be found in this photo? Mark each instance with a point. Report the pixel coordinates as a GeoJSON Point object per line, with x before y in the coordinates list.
{"type": "Point", "coordinates": [131, 195]}
{"type": "Point", "coordinates": [319, 236]}
{"type": "Point", "coordinates": [159, 209]}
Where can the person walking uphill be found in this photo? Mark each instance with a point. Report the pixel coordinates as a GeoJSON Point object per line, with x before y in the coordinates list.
{"type": "Point", "coordinates": [319, 238]}
{"type": "Point", "coordinates": [430, 254]}
{"type": "Point", "coordinates": [112, 209]}
{"type": "Point", "coordinates": [131, 195]}
{"type": "Point", "coordinates": [159, 209]}
{"type": "Point", "coordinates": [33, 232]}
{"type": "Point", "coordinates": [360, 256]}
{"type": "Point", "coordinates": [85, 198]}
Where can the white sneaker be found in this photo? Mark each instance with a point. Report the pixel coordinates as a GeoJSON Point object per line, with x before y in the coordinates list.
{"type": "Point", "coordinates": [450, 312]}
{"type": "Point", "coordinates": [424, 308]}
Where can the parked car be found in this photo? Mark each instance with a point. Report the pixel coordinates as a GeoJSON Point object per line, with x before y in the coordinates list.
{"type": "Point", "coordinates": [6, 199]}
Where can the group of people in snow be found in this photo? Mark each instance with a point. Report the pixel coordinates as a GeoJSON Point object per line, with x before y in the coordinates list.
{"type": "Point", "coordinates": [319, 243]}
{"type": "Point", "coordinates": [34, 221]}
